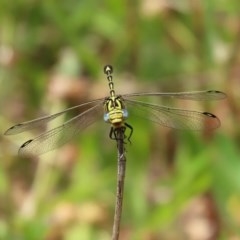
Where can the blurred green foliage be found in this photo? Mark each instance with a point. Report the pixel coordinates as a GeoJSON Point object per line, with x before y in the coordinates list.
{"type": "Point", "coordinates": [179, 185]}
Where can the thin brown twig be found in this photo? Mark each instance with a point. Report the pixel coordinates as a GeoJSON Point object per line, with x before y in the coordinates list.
{"type": "Point", "coordinates": [120, 182]}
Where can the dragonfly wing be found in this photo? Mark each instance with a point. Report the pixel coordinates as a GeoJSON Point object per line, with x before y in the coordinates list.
{"type": "Point", "coordinates": [25, 126]}
{"type": "Point", "coordinates": [196, 96]}
{"type": "Point", "coordinates": [62, 134]}
{"type": "Point", "coordinates": [173, 117]}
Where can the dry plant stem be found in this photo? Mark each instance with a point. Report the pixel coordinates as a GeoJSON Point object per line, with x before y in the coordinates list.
{"type": "Point", "coordinates": [120, 183]}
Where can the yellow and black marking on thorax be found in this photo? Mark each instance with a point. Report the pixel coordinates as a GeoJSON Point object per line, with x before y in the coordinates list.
{"type": "Point", "coordinates": [115, 111]}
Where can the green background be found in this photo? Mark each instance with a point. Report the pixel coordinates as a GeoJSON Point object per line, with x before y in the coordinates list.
{"type": "Point", "coordinates": [179, 184]}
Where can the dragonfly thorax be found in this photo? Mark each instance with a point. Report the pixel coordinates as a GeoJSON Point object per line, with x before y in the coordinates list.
{"type": "Point", "coordinates": [115, 111]}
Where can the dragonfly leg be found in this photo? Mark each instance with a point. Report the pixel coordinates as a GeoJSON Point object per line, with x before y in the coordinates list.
{"type": "Point", "coordinates": [131, 131]}
{"type": "Point", "coordinates": [113, 134]}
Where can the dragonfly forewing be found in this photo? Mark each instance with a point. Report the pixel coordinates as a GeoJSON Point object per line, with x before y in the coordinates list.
{"type": "Point", "coordinates": [62, 134]}
{"type": "Point", "coordinates": [195, 96]}
{"type": "Point", "coordinates": [39, 122]}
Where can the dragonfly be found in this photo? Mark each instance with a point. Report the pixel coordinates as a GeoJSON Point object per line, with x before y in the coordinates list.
{"type": "Point", "coordinates": [115, 110]}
